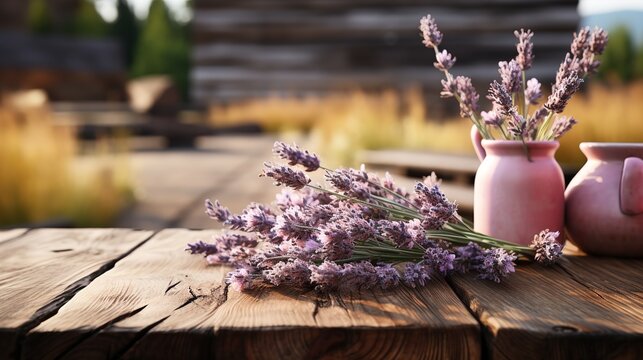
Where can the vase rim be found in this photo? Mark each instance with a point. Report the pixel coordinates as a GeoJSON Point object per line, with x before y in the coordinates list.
{"type": "Point", "coordinates": [611, 145]}
{"type": "Point", "coordinates": [514, 143]}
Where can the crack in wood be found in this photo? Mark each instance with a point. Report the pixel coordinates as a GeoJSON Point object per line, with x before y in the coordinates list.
{"type": "Point", "coordinates": [51, 309]}
{"type": "Point", "coordinates": [573, 277]}
{"type": "Point", "coordinates": [171, 286]}
{"type": "Point", "coordinates": [192, 298]}
{"type": "Point", "coordinates": [98, 330]}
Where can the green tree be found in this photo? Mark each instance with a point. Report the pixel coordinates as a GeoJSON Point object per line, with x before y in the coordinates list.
{"type": "Point", "coordinates": [88, 22]}
{"type": "Point", "coordinates": [162, 48]}
{"type": "Point", "coordinates": [38, 18]}
{"type": "Point", "coordinates": [618, 58]}
{"type": "Point", "coordinates": [126, 30]}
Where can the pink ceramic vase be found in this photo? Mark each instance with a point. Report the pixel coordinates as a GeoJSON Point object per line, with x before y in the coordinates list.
{"type": "Point", "coordinates": [604, 201]}
{"type": "Point", "coordinates": [515, 198]}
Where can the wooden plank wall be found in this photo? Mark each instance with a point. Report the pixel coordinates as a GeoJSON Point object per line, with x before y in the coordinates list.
{"type": "Point", "coordinates": [249, 48]}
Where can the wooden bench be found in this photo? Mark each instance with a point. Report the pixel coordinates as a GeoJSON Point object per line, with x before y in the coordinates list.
{"type": "Point", "coordinates": [119, 293]}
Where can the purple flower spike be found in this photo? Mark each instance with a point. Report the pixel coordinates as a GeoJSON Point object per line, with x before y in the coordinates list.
{"type": "Point", "coordinates": [510, 75]}
{"type": "Point", "coordinates": [562, 125]}
{"type": "Point", "coordinates": [296, 156]}
{"type": "Point", "coordinates": [533, 92]}
{"type": "Point", "coordinates": [449, 88]}
{"type": "Point", "coordinates": [440, 260]}
{"type": "Point", "coordinates": [501, 99]}
{"type": "Point", "coordinates": [492, 118]}
{"type": "Point", "coordinates": [468, 96]}
{"type": "Point", "coordinates": [496, 264]}
{"type": "Point", "coordinates": [429, 31]}
{"type": "Point", "coordinates": [444, 61]}
{"type": "Point", "coordinates": [580, 42]}
{"type": "Point", "coordinates": [258, 218]}
{"type": "Point", "coordinates": [387, 276]}
{"type": "Point", "coordinates": [336, 243]}
{"type": "Point", "coordinates": [548, 250]}
{"type": "Point", "coordinates": [525, 49]}
{"type": "Point", "coordinates": [416, 274]}
{"type": "Point", "coordinates": [557, 101]}
{"type": "Point", "coordinates": [286, 176]}
{"type": "Point", "coordinates": [325, 277]}
{"type": "Point", "coordinates": [598, 41]}
{"type": "Point", "coordinates": [294, 272]}
{"type": "Point", "coordinates": [216, 211]}
{"type": "Point", "coordinates": [240, 279]}
{"type": "Point", "coordinates": [201, 247]}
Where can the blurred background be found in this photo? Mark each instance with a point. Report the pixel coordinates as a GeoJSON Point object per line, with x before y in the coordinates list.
{"type": "Point", "coordinates": [130, 113]}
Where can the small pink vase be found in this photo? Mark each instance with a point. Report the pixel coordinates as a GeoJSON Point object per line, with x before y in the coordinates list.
{"type": "Point", "coordinates": [604, 201]}
{"type": "Point", "coordinates": [514, 199]}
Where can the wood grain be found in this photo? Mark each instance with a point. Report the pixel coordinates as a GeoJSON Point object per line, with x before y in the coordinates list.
{"type": "Point", "coordinates": [107, 317]}
{"type": "Point", "coordinates": [584, 308]}
{"type": "Point", "coordinates": [41, 270]}
{"type": "Point", "coordinates": [11, 234]}
{"type": "Point", "coordinates": [159, 302]}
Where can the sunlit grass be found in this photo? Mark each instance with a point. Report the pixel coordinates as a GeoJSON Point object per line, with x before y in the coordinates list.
{"type": "Point", "coordinates": [342, 124]}
{"type": "Point", "coordinates": [41, 178]}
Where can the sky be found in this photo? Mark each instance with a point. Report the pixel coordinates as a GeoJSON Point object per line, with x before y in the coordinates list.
{"type": "Point", "coordinates": [107, 9]}
{"type": "Point", "coordinates": [591, 7]}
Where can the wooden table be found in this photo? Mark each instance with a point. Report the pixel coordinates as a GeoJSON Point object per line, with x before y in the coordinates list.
{"type": "Point", "coordinates": [119, 293]}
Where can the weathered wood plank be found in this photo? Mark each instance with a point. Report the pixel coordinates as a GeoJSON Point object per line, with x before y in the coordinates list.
{"type": "Point", "coordinates": [11, 234]}
{"type": "Point", "coordinates": [43, 269]}
{"type": "Point", "coordinates": [340, 4]}
{"type": "Point", "coordinates": [587, 307]}
{"type": "Point", "coordinates": [141, 291]}
{"type": "Point", "coordinates": [296, 25]}
{"type": "Point", "coordinates": [159, 301]}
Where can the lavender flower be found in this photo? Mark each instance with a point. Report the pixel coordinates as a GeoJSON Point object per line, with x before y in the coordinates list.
{"type": "Point", "coordinates": [240, 279]}
{"type": "Point", "coordinates": [598, 41]}
{"type": "Point", "coordinates": [449, 88]}
{"type": "Point", "coordinates": [440, 260]}
{"type": "Point", "coordinates": [258, 218]}
{"type": "Point", "coordinates": [336, 242]}
{"type": "Point", "coordinates": [468, 96]}
{"type": "Point", "coordinates": [510, 75]}
{"type": "Point", "coordinates": [416, 274]}
{"type": "Point", "coordinates": [429, 31]}
{"type": "Point", "coordinates": [300, 244]}
{"type": "Point", "coordinates": [285, 175]}
{"type": "Point", "coordinates": [387, 276]}
{"type": "Point", "coordinates": [358, 275]}
{"type": "Point", "coordinates": [444, 61]}
{"type": "Point", "coordinates": [525, 49]}
{"type": "Point", "coordinates": [517, 126]}
{"type": "Point", "coordinates": [496, 263]}
{"type": "Point", "coordinates": [557, 101]}
{"type": "Point", "coordinates": [397, 232]}
{"type": "Point", "coordinates": [548, 250]}
{"type": "Point", "coordinates": [492, 118]}
{"type": "Point", "coordinates": [326, 276]}
{"type": "Point", "coordinates": [294, 272]}
{"type": "Point", "coordinates": [293, 224]}
{"type": "Point", "coordinates": [296, 156]}
{"type": "Point", "coordinates": [533, 92]}
{"type": "Point", "coordinates": [562, 125]}
{"type": "Point", "coordinates": [501, 99]}
{"type": "Point", "coordinates": [580, 42]}
{"type": "Point", "coordinates": [201, 247]}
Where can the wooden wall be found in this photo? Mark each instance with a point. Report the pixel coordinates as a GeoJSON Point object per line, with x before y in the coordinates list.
{"type": "Point", "coordinates": [250, 48]}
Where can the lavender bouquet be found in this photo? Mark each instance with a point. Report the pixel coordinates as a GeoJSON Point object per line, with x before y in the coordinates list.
{"type": "Point", "coordinates": [360, 232]}
{"type": "Point", "coordinates": [512, 97]}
